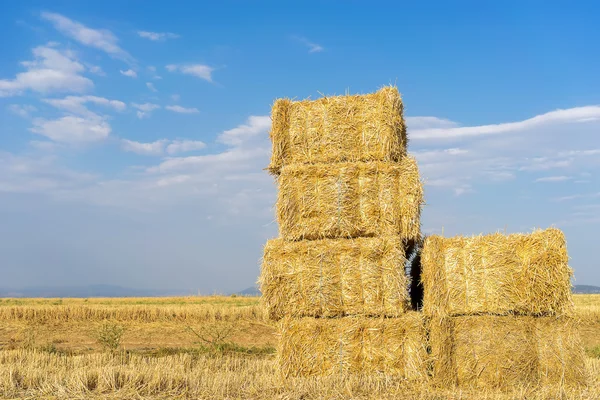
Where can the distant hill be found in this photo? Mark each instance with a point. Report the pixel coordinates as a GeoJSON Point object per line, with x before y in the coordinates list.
{"type": "Point", "coordinates": [85, 291]}
{"type": "Point", "coordinates": [251, 291]}
{"type": "Point", "coordinates": [586, 289]}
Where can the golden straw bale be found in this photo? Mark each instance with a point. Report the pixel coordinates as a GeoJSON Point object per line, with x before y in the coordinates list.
{"type": "Point", "coordinates": [354, 345]}
{"type": "Point", "coordinates": [497, 274]}
{"type": "Point", "coordinates": [338, 129]}
{"type": "Point", "coordinates": [334, 277]}
{"type": "Point", "coordinates": [350, 200]}
{"type": "Point", "coordinates": [490, 351]}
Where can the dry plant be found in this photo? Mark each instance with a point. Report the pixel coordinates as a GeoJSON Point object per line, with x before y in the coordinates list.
{"type": "Point", "coordinates": [338, 129]}
{"type": "Point", "coordinates": [217, 336]}
{"type": "Point", "coordinates": [347, 200]}
{"type": "Point", "coordinates": [110, 335]}
{"type": "Point", "coordinates": [334, 277]}
{"type": "Point", "coordinates": [500, 274]}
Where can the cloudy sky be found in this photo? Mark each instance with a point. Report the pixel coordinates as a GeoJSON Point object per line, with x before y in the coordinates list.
{"type": "Point", "coordinates": [133, 135]}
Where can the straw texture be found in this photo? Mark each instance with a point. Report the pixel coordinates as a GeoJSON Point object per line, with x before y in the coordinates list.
{"type": "Point", "coordinates": [499, 274]}
{"type": "Point", "coordinates": [320, 346]}
{"type": "Point", "coordinates": [503, 351]}
{"type": "Point", "coordinates": [350, 200]}
{"type": "Point", "coordinates": [334, 277]}
{"type": "Point", "coordinates": [338, 129]}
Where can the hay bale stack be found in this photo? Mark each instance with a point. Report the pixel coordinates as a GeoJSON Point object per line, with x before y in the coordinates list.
{"type": "Point", "coordinates": [338, 129]}
{"type": "Point", "coordinates": [354, 345]}
{"type": "Point", "coordinates": [499, 274]}
{"type": "Point", "coordinates": [490, 351]}
{"type": "Point", "coordinates": [500, 310]}
{"type": "Point", "coordinates": [347, 200]}
{"type": "Point", "coordinates": [334, 278]}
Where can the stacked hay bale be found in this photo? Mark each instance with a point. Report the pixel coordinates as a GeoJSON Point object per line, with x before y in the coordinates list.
{"type": "Point", "coordinates": [500, 310]}
{"type": "Point", "coordinates": [349, 200]}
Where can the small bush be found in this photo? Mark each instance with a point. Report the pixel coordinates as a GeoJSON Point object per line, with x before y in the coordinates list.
{"type": "Point", "coordinates": [216, 336]}
{"type": "Point", "coordinates": [110, 335]}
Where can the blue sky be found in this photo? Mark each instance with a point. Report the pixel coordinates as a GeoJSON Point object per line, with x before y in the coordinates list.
{"type": "Point", "coordinates": [133, 134]}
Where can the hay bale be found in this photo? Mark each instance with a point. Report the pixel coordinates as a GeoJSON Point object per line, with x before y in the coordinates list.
{"type": "Point", "coordinates": [354, 345]}
{"type": "Point", "coordinates": [350, 200]}
{"type": "Point", "coordinates": [498, 274]}
{"type": "Point", "coordinates": [489, 351]}
{"type": "Point", "coordinates": [334, 277]}
{"type": "Point", "coordinates": [338, 129]}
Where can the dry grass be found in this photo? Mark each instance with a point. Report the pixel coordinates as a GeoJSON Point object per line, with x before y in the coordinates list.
{"type": "Point", "coordinates": [164, 361]}
{"type": "Point", "coordinates": [321, 346]}
{"type": "Point", "coordinates": [497, 274]}
{"type": "Point", "coordinates": [334, 277]}
{"type": "Point", "coordinates": [338, 129]}
{"type": "Point", "coordinates": [348, 200]}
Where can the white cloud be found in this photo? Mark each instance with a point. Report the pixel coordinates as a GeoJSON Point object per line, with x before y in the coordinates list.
{"type": "Point", "coordinates": [157, 36]}
{"type": "Point", "coordinates": [101, 39]}
{"type": "Point", "coordinates": [76, 104]}
{"type": "Point", "coordinates": [182, 110]}
{"type": "Point", "coordinates": [150, 86]}
{"type": "Point", "coordinates": [576, 114]}
{"type": "Point", "coordinates": [184, 146]}
{"type": "Point", "coordinates": [130, 73]}
{"type": "Point", "coordinates": [52, 70]}
{"type": "Point", "coordinates": [197, 70]}
{"type": "Point", "coordinates": [23, 174]}
{"type": "Point", "coordinates": [553, 179]}
{"type": "Point", "coordinates": [23, 111]}
{"type": "Point", "coordinates": [96, 69]}
{"type": "Point", "coordinates": [159, 147]}
{"type": "Point", "coordinates": [71, 129]}
{"type": "Point", "coordinates": [428, 123]}
{"type": "Point", "coordinates": [254, 126]}
{"type": "Point", "coordinates": [312, 47]}
{"type": "Point", "coordinates": [144, 110]}
{"type": "Point", "coordinates": [153, 148]}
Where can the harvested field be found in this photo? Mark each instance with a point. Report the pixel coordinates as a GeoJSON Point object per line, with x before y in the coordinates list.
{"type": "Point", "coordinates": [53, 356]}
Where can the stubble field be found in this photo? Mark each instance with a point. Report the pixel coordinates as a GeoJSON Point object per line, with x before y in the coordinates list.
{"type": "Point", "coordinates": [198, 347]}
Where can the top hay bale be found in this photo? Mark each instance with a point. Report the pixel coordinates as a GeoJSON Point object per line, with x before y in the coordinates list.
{"type": "Point", "coordinates": [338, 129]}
{"type": "Point", "coordinates": [499, 274]}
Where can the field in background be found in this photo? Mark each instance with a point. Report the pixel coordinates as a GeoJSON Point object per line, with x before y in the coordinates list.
{"type": "Point", "coordinates": [194, 347]}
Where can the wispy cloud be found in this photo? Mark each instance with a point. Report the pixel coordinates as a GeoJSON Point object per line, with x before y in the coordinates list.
{"type": "Point", "coordinates": [157, 36]}
{"type": "Point", "coordinates": [144, 110]}
{"type": "Point", "coordinates": [182, 110]}
{"type": "Point", "coordinates": [312, 47]}
{"type": "Point", "coordinates": [52, 70]}
{"type": "Point", "coordinates": [100, 39]}
{"type": "Point", "coordinates": [185, 146]}
{"type": "Point", "coordinates": [130, 73]}
{"type": "Point", "coordinates": [72, 129]}
{"type": "Point", "coordinates": [150, 86]}
{"type": "Point", "coordinates": [153, 149]}
{"type": "Point", "coordinates": [23, 111]}
{"type": "Point", "coordinates": [198, 70]}
{"type": "Point", "coordinates": [553, 179]}
{"type": "Point", "coordinates": [159, 147]}
{"type": "Point", "coordinates": [577, 114]}
{"type": "Point", "coordinates": [76, 104]}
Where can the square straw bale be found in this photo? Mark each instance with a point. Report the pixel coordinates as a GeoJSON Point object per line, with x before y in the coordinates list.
{"type": "Point", "coordinates": [498, 274]}
{"type": "Point", "coordinates": [338, 129]}
{"type": "Point", "coordinates": [334, 277]}
{"type": "Point", "coordinates": [354, 345]}
{"type": "Point", "coordinates": [348, 200]}
{"type": "Point", "coordinates": [490, 351]}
